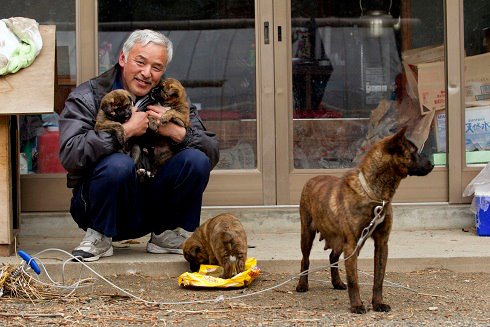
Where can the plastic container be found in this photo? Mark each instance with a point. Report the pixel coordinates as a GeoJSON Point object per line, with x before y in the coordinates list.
{"type": "Point", "coordinates": [482, 216]}
{"type": "Point", "coordinates": [48, 151]}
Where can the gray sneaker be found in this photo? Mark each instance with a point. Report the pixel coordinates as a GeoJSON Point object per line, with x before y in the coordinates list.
{"type": "Point", "coordinates": [169, 241]}
{"type": "Point", "coordinates": [93, 246]}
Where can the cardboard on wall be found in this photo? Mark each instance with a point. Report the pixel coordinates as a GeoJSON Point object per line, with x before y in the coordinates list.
{"type": "Point", "coordinates": [426, 79]}
{"type": "Point", "coordinates": [31, 89]}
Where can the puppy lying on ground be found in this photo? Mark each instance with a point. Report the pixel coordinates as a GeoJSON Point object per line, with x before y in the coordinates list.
{"type": "Point", "coordinates": [343, 209]}
{"type": "Point", "coordinates": [218, 241]}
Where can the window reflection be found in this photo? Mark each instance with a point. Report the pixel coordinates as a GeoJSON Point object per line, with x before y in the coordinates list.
{"type": "Point", "coordinates": [214, 58]}
{"type": "Point", "coordinates": [477, 81]}
{"type": "Point", "coordinates": [355, 78]}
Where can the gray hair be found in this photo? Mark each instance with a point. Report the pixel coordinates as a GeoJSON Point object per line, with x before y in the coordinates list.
{"type": "Point", "coordinates": [144, 37]}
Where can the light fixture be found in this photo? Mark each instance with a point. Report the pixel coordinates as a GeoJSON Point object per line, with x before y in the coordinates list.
{"type": "Point", "coordinates": [375, 20]}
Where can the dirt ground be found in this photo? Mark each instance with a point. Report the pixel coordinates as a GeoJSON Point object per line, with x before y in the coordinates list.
{"type": "Point", "coordinates": [419, 298]}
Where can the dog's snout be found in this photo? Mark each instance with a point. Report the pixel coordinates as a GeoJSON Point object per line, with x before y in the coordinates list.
{"type": "Point", "coordinates": [421, 165]}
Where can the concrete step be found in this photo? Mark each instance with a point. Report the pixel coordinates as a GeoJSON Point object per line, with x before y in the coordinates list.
{"type": "Point", "coordinates": [273, 219]}
{"type": "Point", "coordinates": [424, 236]}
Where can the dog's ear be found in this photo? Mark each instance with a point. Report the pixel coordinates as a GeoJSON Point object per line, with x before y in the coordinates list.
{"type": "Point", "coordinates": [195, 250]}
{"type": "Point", "coordinates": [401, 133]}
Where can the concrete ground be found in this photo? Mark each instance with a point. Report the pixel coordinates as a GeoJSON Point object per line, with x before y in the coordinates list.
{"type": "Point", "coordinates": [423, 236]}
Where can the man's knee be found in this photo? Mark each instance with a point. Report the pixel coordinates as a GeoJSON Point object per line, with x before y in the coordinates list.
{"type": "Point", "coordinates": [193, 161]}
{"type": "Point", "coordinates": [117, 167]}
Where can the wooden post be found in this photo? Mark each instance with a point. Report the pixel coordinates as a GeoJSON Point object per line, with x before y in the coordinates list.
{"type": "Point", "coordinates": [29, 91]}
{"type": "Point", "coordinates": [6, 210]}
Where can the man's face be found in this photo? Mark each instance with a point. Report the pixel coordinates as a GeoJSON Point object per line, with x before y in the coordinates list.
{"type": "Point", "coordinates": [144, 67]}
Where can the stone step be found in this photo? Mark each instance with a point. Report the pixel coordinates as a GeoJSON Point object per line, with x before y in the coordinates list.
{"type": "Point", "coordinates": [273, 219]}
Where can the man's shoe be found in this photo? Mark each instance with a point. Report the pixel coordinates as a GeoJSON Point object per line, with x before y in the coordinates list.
{"type": "Point", "coordinates": [169, 241]}
{"type": "Point", "coordinates": [93, 246]}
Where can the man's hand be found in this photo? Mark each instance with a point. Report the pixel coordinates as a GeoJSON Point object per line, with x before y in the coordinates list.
{"type": "Point", "coordinates": [170, 129]}
{"type": "Point", "coordinates": [137, 124]}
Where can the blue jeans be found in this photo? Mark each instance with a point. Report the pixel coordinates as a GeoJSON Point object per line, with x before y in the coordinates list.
{"type": "Point", "coordinates": [113, 202]}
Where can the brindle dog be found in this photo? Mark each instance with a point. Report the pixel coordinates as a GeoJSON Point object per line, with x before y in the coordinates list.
{"type": "Point", "coordinates": [340, 209]}
{"type": "Point", "coordinates": [221, 241]}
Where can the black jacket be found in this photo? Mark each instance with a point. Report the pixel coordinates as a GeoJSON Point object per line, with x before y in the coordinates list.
{"type": "Point", "coordinates": [81, 147]}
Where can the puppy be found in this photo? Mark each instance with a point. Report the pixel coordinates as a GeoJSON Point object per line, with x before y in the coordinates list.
{"type": "Point", "coordinates": [115, 109]}
{"type": "Point", "coordinates": [221, 241]}
{"type": "Point", "coordinates": [358, 203]}
{"type": "Point", "coordinates": [173, 96]}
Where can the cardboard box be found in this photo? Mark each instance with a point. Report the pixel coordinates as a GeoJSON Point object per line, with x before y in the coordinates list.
{"type": "Point", "coordinates": [477, 129]}
{"type": "Point", "coordinates": [428, 85]}
{"type": "Point", "coordinates": [423, 55]}
{"type": "Point", "coordinates": [426, 80]}
{"type": "Point", "coordinates": [424, 70]}
{"type": "Point", "coordinates": [477, 78]}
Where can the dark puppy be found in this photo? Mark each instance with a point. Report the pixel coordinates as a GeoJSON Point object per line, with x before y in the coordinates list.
{"type": "Point", "coordinates": [343, 209]}
{"type": "Point", "coordinates": [219, 241]}
{"type": "Point", "coordinates": [174, 97]}
{"type": "Point", "coordinates": [115, 109]}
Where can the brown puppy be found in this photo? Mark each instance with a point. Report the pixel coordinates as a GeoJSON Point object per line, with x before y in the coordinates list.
{"type": "Point", "coordinates": [343, 209]}
{"type": "Point", "coordinates": [221, 241]}
{"type": "Point", "coordinates": [115, 109]}
{"type": "Point", "coordinates": [174, 97]}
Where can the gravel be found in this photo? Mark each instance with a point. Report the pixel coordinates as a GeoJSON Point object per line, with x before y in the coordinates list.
{"type": "Point", "coordinates": [431, 297]}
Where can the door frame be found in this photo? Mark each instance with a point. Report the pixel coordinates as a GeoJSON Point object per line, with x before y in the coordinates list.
{"type": "Point", "coordinates": [276, 181]}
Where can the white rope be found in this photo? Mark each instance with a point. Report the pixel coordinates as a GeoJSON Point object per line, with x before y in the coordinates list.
{"type": "Point", "coordinates": [84, 282]}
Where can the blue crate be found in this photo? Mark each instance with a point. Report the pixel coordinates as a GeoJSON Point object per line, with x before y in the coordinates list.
{"type": "Point", "coordinates": [482, 217]}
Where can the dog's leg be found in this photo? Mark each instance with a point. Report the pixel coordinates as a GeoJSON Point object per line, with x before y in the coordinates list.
{"type": "Point", "coordinates": [229, 267]}
{"type": "Point", "coordinates": [380, 259]}
{"type": "Point", "coordinates": [307, 238]}
{"type": "Point", "coordinates": [337, 282]}
{"type": "Point", "coordinates": [356, 305]}
{"type": "Point", "coordinates": [111, 127]}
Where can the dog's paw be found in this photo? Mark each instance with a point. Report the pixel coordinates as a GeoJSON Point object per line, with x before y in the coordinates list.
{"type": "Point", "coordinates": [358, 309]}
{"type": "Point", "coordinates": [381, 307]}
{"type": "Point", "coordinates": [153, 125]}
{"type": "Point", "coordinates": [339, 285]}
{"type": "Point", "coordinates": [301, 287]}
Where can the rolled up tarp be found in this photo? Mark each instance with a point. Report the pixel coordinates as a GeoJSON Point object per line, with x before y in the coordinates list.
{"type": "Point", "coordinates": [20, 43]}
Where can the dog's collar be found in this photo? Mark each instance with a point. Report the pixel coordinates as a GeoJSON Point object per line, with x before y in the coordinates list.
{"type": "Point", "coordinates": [367, 189]}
